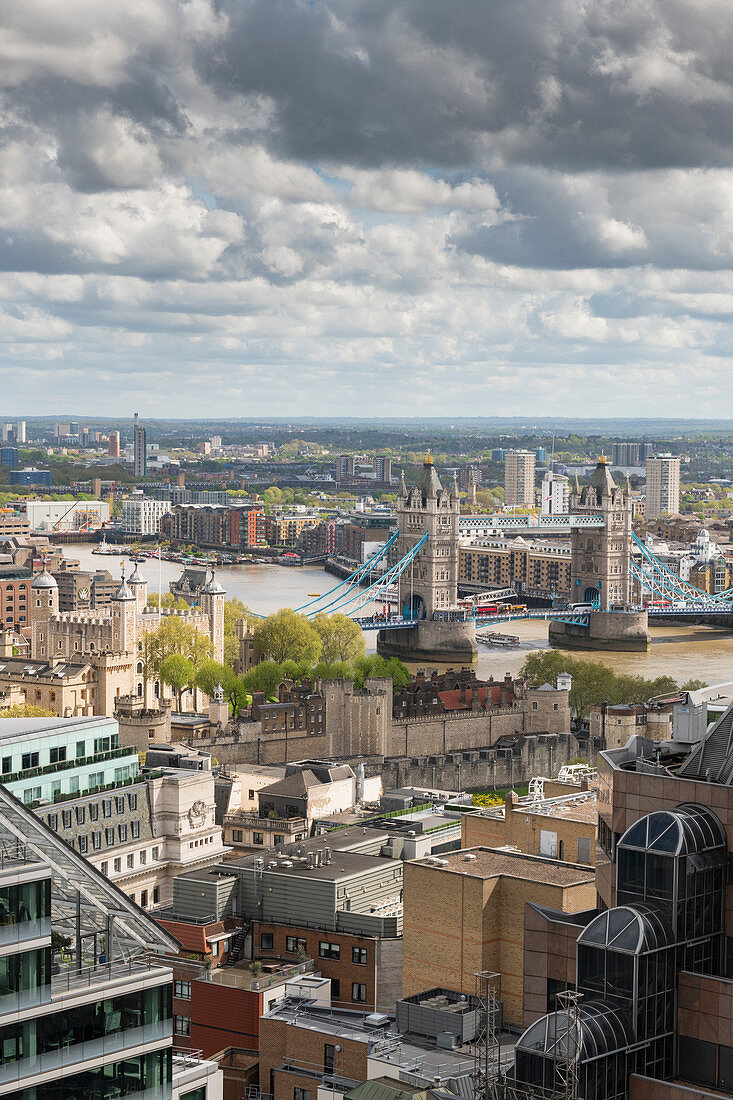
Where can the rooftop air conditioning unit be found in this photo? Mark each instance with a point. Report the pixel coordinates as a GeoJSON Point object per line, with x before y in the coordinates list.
{"type": "Point", "coordinates": [376, 1019]}
{"type": "Point", "coordinates": [287, 863]}
{"type": "Point", "coordinates": [469, 858]}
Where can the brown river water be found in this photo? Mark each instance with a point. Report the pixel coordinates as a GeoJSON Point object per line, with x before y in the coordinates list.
{"type": "Point", "coordinates": [682, 652]}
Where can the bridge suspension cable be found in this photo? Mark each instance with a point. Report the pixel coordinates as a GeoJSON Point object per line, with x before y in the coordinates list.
{"type": "Point", "coordinates": [660, 580]}
{"type": "Point", "coordinates": [353, 578]}
{"type": "Point", "coordinates": [363, 597]}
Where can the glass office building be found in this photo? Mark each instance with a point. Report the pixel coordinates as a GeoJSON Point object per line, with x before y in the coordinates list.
{"type": "Point", "coordinates": [82, 1012]}
{"type": "Point", "coordinates": [670, 890]}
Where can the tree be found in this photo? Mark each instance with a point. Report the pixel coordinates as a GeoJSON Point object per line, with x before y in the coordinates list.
{"type": "Point", "coordinates": [287, 635]}
{"type": "Point", "coordinates": [168, 600]}
{"type": "Point", "coordinates": [27, 710]}
{"type": "Point", "coordinates": [263, 677]}
{"type": "Point", "coordinates": [234, 610]}
{"type": "Point", "coordinates": [366, 668]}
{"type": "Point", "coordinates": [173, 636]}
{"type": "Point", "coordinates": [179, 673]}
{"type": "Point", "coordinates": [211, 674]}
{"type": "Point", "coordinates": [341, 638]}
{"type": "Point", "coordinates": [693, 685]}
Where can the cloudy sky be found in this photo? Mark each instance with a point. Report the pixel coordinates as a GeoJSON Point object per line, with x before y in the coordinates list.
{"type": "Point", "coordinates": [407, 207]}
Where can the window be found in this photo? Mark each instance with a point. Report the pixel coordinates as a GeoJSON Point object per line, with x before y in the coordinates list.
{"type": "Point", "coordinates": [122, 833]}
{"type": "Point", "coordinates": [7, 764]}
{"type": "Point", "coordinates": [335, 989]}
{"type": "Point", "coordinates": [96, 841]}
{"type": "Point", "coordinates": [120, 804]}
{"type": "Point", "coordinates": [301, 1094]}
{"type": "Point", "coordinates": [143, 857]}
{"type": "Point", "coordinates": [130, 861]}
{"type": "Point", "coordinates": [328, 950]}
{"type": "Point", "coordinates": [182, 990]}
{"type": "Point", "coordinates": [359, 955]}
{"type": "Point", "coordinates": [94, 811]}
{"type": "Point", "coordinates": [266, 941]}
{"type": "Point", "coordinates": [155, 854]}
{"type": "Point", "coordinates": [29, 760]}
{"type": "Point", "coordinates": [57, 755]}
{"type": "Point", "coordinates": [182, 1025]}
{"type": "Point", "coordinates": [135, 830]}
{"type": "Point", "coordinates": [143, 899]}
{"type": "Point", "coordinates": [329, 1057]}
{"type": "Point", "coordinates": [117, 866]}
{"type": "Point", "coordinates": [53, 821]}
{"type": "Point", "coordinates": [132, 801]}
{"type": "Point", "coordinates": [358, 992]}
{"type": "Point", "coordinates": [107, 807]}
{"type": "Point", "coordinates": [81, 747]}
{"type": "Point", "coordinates": [81, 814]}
{"type": "Point", "coordinates": [104, 867]}
{"type": "Point", "coordinates": [66, 818]}
{"type": "Point", "coordinates": [83, 845]}
{"type": "Point", "coordinates": [293, 944]}
{"type": "Point", "coordinates": [251, 796]}
{"type": "Point", "coordinates": [257, 838]}
{"type": "Point", "coordinates": [237, 836]}
{"type": "Point", "coordinates": [109, 836]}
{"type": "Point", "coordinates": [156, 895]}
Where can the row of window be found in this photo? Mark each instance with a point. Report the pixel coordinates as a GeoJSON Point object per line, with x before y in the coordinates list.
{"type": "Point", "coordinates": [58, 753]}
{"type": "Point", "coordinates": [144, 897]}
{"type": "Point", "coordinates": [142, 858]}
{"type": "Point", "coordinates": [326, 949]}
{"type": "Point", "coordinates": [119, 804]}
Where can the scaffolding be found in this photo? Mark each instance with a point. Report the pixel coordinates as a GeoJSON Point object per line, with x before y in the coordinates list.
{"type": "Point", "coordinates": [491, 1080]}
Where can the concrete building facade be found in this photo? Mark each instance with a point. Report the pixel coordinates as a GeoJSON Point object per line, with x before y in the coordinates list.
{"type": "Point", "coordinates": [519, 477]}
{"type": "Point", "coordinates": [662, 486]}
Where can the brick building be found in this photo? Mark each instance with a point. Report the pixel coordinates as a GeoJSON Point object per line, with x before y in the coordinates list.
{"type": "Point", "coordinates": [465, 912]}
{"type": "Point", "coordinates": [539, 568]}
{"type": "Point", "coordinates": [564, 827]}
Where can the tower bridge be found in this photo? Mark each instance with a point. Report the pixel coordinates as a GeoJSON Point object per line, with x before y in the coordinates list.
{"type": "Point", "coordinates": [611, 572]}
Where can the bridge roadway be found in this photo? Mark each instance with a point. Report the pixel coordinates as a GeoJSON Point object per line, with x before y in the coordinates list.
{"type": "Point", "coordinates": [576, 618]}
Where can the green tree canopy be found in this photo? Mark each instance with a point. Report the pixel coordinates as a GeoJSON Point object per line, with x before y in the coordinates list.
{"type": "Point", "coordinates": [178, 673]}
{"type": "Point", "coordinates": [341, 638]}
{"type": "Point", "coordinates": [234, 610]}
{"type": "Point", "coordinates": [593, 682]}
{"type": "Point", "coordinates": [167, 599]}
{"type": "Point", "coordinates": [173, 636]}
{"type": "Point", "coordinates": [287, 635]}
{"type": "Point", "coordinates": [211, 674]}
{"type": "Point", "coordinates": [373, 666]}
{"type": "Point", "coordinates": [263, 677]}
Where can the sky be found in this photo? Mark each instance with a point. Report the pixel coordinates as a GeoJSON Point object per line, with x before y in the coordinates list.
{"type": "Point", "coordinates": [366, 207]}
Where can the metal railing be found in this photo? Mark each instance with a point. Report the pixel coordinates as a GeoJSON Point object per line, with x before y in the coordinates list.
{"type": "Point", "coordinates": [71, 979]}
{"type": "Point", "coordinates": [15, 853]}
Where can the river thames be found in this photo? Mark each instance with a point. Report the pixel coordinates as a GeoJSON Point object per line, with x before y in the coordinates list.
{"type": "Point", "coordinates": [704, 653]}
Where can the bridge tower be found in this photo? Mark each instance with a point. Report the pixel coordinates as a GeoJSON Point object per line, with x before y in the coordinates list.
{"type": "Point", "coordinates": [599, 564]}
{"type": "Point", "coordinates": [430, 584]}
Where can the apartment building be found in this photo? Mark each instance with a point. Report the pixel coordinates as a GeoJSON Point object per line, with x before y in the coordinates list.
{"type": "Point", "coordinates": [141, 516]}
{"type": "Point", "coordinates": [529, 566]}
{"type": "Point", "coordinates": [662, 486]}
{"type": "Point", "coordinates": [519, 476]}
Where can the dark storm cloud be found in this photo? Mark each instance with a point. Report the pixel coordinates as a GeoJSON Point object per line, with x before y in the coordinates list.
{"type": "Point", "coordinates": [555, 82]}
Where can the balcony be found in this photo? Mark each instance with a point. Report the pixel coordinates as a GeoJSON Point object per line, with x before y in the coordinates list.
{"type": "Point", "coordinates": [65, 765]}
{"type": "Point", "coordinates": [243, 819]}
{"type": "Point", "coordinates": [74, 981]}
{"type": "Point", "coordinates": [68, 1053]}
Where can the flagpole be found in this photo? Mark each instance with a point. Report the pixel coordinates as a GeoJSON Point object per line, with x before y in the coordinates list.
{"type": "Point", "coordinates": [160, 586]}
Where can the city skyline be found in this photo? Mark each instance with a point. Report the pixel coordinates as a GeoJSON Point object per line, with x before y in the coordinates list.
{"type": "Point", "coordinates": [310, 206]}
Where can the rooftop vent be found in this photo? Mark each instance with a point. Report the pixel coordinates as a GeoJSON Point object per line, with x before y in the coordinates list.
{"type": "Point", "coordinates": [468, 858]}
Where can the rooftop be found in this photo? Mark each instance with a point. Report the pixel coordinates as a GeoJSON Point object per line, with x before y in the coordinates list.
{"type": "Point", "coordinates": [35, 727]}
{"type": "Point", "coordinates": [342, 865]}
{"type": "Point", "coordinates": [488, 863]}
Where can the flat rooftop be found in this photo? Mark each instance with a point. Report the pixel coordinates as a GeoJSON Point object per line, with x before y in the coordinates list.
{"type": "Point", "coordinates": [496, 862]}
{"type": "Point", "coordinates": [342, 865]}
{"type": "Point", "coordinates": [13, 728]}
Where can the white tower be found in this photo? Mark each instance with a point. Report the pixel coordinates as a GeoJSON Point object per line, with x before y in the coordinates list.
{"type": "Point", "coordinates": [124, 618]}
{"type": "Point", "coordinates": [212, 605]}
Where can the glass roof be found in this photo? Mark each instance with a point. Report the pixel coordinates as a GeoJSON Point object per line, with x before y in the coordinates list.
{"type": "Point", "coordinates": [601, 1030]}
{"type": "Point", "coordinates": [682, 831]}
{"type": "Point", "coordinates": [79, 891]}
{"type": "Point", "coordinates": [629, 928]}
